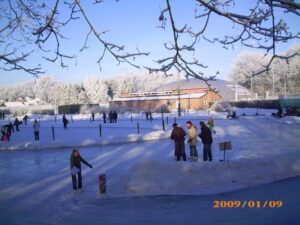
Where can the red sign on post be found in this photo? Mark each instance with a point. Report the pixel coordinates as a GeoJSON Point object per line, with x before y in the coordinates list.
{"type": "Point", "coordinates": [102, 183]}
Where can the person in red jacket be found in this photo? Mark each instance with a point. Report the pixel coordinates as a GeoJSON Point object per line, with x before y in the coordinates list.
{"type": "Point", "coordinates": [75, 164]}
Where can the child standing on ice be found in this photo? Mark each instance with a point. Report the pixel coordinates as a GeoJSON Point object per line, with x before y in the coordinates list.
{"type": "Point", "coordinates": [211, 124]}
{"type": "Point", "coordinates": [75, 165]}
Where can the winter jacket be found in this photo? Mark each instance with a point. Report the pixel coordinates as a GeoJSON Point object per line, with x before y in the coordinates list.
{"type": "Point", "coordinates": [75, 161]}
{"type": "Point", "coordinates": [7, 129]}
{"type": "Point", "coordinates": [36, 127]}
{"type": "Point", "coordinates": [192, 135]}
{"type": "Point", "coordinates": [205, 135]}
{"type": "Point", "coordinates": [65, 120]}
{"type": "Point", "coordinates": [211, 123]}
{"type": "Point", "coordinates": [178, 134]}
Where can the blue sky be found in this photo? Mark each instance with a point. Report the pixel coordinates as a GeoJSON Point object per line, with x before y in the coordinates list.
{"type": "Point", "coordinates": [133, 23]}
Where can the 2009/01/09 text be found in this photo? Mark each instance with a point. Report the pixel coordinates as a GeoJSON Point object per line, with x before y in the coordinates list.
{"type": "Point", "coordinates": [247, 204]}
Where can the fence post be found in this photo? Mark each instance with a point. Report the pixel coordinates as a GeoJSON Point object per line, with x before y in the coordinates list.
{"type": "Point", "coordinates": [100, 130]}
{"type": "Point", "coordinates": [53, 135]}
{"type": "Point", "coordinates": [131, 118]}
{"type": "Point", "coordinates": [175, 119]}
{"type": "Point", "coordinates": [72, 118]}
{"type": "Point", "coordinates": [138, 127]}
{"type": "Point", "coordinates": [55, 118]}
{"type": "Point", "coordinates": [163, 124]}
{"type": "Point", "coordinates": [167, 120]}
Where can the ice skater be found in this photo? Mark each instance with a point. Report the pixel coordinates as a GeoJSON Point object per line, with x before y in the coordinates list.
{"type": "Point", "coordinates": [65, 121]}
{"type": "Point", "coordinates": [75, 165]}
{"type": "Point", "coordinates": [17, 124]}
{"type": "Point", "coordinates": [104, 117]}
{"type": "Point", "coordinates": [36, 130]}
{"type": "Point", "coordinates": [25, 119]}
{"type": "Point", "coordinates": [6, 131]}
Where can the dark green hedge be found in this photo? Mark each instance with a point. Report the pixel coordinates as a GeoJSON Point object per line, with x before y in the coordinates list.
{"type": "Point", "coordinates": [262, 104]}
{"type": "Point", "coordinates": [72, 109]}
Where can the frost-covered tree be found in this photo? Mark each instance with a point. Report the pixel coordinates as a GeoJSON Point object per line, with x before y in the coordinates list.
{"type": "Point", "coordinates": [40, 27]}
{"type": "Point", "coordinates": [82, 96]}
{"type": "Point", "coordinates": [282, 78]}
{"type": "Point", "coordinates": [45, 88]}
{"type": "Point", "coordinates": [96, 90]}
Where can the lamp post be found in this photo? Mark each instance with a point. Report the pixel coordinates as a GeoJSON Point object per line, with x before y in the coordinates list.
{"type": "Point", "coordinates": [179, 103]}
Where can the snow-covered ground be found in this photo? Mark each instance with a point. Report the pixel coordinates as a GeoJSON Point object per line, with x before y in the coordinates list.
{"type": "Point", "coordinates": [265, 150]}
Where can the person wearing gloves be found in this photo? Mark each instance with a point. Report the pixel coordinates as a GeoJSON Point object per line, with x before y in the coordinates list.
{"type": "Point", "coordinates": [75, 164]}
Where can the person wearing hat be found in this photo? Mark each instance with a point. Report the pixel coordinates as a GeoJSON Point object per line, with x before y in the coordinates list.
{"type": "Point", "coordinates": [75, 164]}
{"type": "Point", "coordinates": [207, 140]}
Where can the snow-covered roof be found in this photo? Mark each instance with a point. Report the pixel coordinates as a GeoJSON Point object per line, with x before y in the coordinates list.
{"type": "Point", "coordinates": [166, 97]}
{"type": "Point", "coordinates": [225, 89]}
{"type": "Point", "coordinates": [13, 104]}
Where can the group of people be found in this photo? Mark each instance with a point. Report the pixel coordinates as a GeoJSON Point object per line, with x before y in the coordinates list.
{"type": "Point", "coordinates": [149, 115]}
{"type": "Point", "coordinates": [112, 116]}
{"type": "Point", "coordinates": [178, 135]}
{"type": "Point", "coordinates": [8, 129]}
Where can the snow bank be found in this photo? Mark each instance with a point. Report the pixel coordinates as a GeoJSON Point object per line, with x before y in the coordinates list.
{"type": "Point", "coordinates": [151, 177]}
{"type": "Point", "coordinates": [86, 142]}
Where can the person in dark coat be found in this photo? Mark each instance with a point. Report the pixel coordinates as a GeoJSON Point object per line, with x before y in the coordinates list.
{"type": "Point", "coordinates": [147, 115]}
{"type": "Point", "coordinates": [150, 116]}
{"type": "Point", "coordinates": [110, 116]}
{"type": "Point", "coordinates": [75, 165]}
{"type": "Point", "coordinates": [104, 117]}
{"type": "Point", "coordinates": [65, 121]}
{"type": "Point", "coordinates": [115, 117]}
{"type": "Point", "coordinates": [93, 116]}
{"type": "Point", "coordinates": [25, 118]}
{"type": "Point", "coordinates": [17, 123]}
{"type": "Point", "coordinates": [279, 113]}
{"type": "Point", "coordinates": [207, 140]}
{"type": "Point", "coordinates": [178, 136]}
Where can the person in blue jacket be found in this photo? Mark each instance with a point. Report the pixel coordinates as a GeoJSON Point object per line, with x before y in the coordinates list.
{"type": "Point", "coordinates": [75, 165]}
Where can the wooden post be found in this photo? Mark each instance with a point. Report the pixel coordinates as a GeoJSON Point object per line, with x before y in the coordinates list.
{"type": "Point", "coordinates": [72, 118]}
{"type": "Point", "coordinates": [53, 134]}
{"type": "Point", "coordinates": [163, 124]}
{"type": "Point", "coordinates": [138, 127]}
{"type": "Point", "coordinates": [131, 118]}
{"type": "Point", "coordinates": [167, 120]}
{"type": "Point", "coordinates": [100, 130]}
